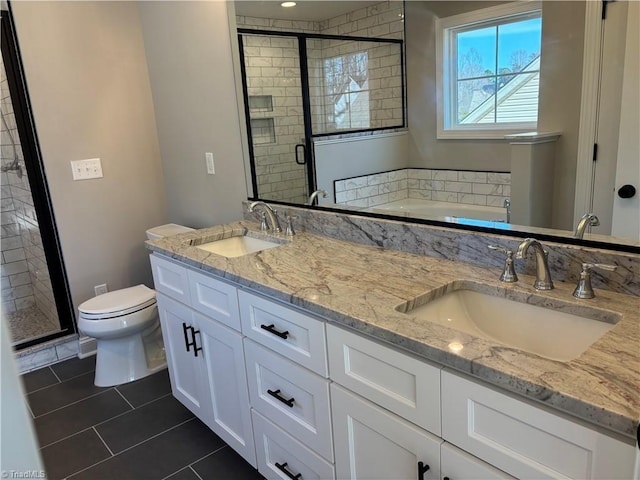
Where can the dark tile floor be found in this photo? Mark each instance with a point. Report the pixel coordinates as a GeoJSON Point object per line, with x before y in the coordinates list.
{"type": "Point", "coordinates": [133, 431]}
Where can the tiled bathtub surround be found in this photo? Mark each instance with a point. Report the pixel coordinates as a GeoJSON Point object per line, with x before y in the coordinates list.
{"type": "Point", "coordinates": [454, 186]}
{"type": "Point", "coordinates": [470, 247]}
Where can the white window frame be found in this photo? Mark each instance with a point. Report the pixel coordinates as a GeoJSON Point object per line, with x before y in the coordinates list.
{"type": "Point", "coordinates": [445, 65]}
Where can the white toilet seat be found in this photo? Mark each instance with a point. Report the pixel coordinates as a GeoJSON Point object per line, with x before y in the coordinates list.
{"type": "Point", "coordinates": [118, 303]}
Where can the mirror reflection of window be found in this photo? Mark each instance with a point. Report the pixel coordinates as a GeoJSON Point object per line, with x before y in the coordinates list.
{"type": "Point", "coordinates": [490, 63]}
{"type": "Point", "coordinates": [347, 91]}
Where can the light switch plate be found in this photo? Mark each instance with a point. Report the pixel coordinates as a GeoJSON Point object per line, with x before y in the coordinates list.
{"type": "Point", "coordinates": [86, 169]}
{"type": "Point", "coordinates": [211, 170]}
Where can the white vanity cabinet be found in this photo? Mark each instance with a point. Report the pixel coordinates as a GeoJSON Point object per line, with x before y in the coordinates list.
{"type": "Point", "coordinates": [456, 464]}
{"type": "Point", "coordinates": [205, 357]}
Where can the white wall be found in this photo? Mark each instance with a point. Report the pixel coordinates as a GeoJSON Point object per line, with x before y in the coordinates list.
{"type": "Point", "coordinates": [188, 49]}
{"type": "Point", "coordinates": [89, 88]}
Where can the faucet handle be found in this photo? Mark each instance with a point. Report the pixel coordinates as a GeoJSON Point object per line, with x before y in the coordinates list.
{"type": "Point", "coordinates": [583, 289]}
{"type": "Point", "coordinates": [289, 231]}
{"type": "Point", "coordinates": [509, 272]}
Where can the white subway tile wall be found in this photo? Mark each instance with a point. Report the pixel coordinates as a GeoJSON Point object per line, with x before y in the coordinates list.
{"type": "Point", "coordinates": [272, 68]}
{"type": "Point", "coordinates": [24, 272]}
{"type": "Point", "coordinates": [474, 188]}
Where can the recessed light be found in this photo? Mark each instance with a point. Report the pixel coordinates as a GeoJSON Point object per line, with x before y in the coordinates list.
{"type": "Point", "coordinates": [288, 4]}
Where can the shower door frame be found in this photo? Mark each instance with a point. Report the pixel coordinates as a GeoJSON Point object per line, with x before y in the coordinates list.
{"type": "Point", "coordinates": [306, 96]}
{"type": "Point", "coordinates": [37, 181]}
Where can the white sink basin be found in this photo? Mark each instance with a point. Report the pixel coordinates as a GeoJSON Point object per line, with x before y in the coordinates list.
{"type": "Point", "coordinates": [546, 332]}
{"type": "Point", "coordinates": [237, 246]}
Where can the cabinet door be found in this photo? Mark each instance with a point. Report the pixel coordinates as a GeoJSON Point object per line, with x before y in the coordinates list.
{"type": "Point", "coordinates": [186, 371]}
{"type": "Point", "coordinates": [524, 440]}
{"type": "Point", "coordinates": [456, 464]}
{"type": "Point", "coordinates": [371, 443]}
{"type": "Point", "coordinates": [227, 381]}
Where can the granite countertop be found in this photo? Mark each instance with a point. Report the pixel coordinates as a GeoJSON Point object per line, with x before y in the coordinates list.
{"type": "Point", "coordinates": [359, 287]}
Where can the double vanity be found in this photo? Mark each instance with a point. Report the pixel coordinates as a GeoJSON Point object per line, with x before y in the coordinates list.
{"type": "Point", "coordinates": [319, 358]}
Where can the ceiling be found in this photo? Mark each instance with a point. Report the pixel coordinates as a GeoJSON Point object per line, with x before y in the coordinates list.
{"type": "Point", "coordinates": [311, 10]}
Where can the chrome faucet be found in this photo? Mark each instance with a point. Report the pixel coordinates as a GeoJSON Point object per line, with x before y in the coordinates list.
{"type": "Point", "coordinates": [543, 277]}
{"type": "Point", "coordinates": [314, 195]}
{"type": "Point", "coordinates": [272, 214]}
{"type": "Point", "coordinates": [507, 206]}
{"type": "Point", "coordinates": [588, 219]}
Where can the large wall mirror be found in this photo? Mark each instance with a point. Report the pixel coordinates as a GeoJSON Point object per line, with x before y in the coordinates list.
{"type": "Point", "coordinates": [483, 114]}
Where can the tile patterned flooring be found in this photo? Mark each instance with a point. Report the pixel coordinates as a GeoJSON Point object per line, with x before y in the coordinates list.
{"type": "Point", "coordinates": [28, 323]}
{"type": "Point", "coordinates": [133, 431]}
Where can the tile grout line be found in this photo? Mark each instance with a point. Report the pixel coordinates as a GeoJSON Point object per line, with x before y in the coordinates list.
{"type": "Point", "coordinates": [102, 440]}
{"type": "Point", "coordinates": [125, 398]}
{"type": "Point", "coordinates": [129, 448]}
{"type": "Point", "coordinates": [194, 462]}
{"type": "Point", "coordinates": [100, 423]}
{"type": "Point", "coordinates": [72, 403]}
{"type": "Point", "coordinates": [194, 472]}
{"type": "Point", "coordinates": [60, 382]}
{"type": "Point", "coordinates": [54, 374]}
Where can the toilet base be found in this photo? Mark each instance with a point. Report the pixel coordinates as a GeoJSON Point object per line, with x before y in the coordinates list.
{"type": "Point", "coordinates": [123, 360]}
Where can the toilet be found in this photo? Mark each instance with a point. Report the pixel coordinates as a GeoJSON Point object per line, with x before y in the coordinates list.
{"type": "Point", "coordinates": [126, 327]}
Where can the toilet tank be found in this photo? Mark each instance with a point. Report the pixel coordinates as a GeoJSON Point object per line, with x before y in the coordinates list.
{"type": "Point", "coordinates": [167, 230]}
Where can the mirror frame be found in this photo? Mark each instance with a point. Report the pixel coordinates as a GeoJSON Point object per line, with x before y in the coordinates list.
{"type": "Point", "coordinates": [584, 165]}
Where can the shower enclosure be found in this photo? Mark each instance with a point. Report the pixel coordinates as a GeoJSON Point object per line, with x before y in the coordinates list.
{"type": "Point", "coordinates": [35, 299]}
{"type": "Point", "coordinates": [300, 86]}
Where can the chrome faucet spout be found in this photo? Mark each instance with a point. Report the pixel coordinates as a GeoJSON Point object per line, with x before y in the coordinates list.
{"type": "Point", "coordinates": [543, 276]}
{"type": "Point", "coordinates": [314, 195]}
{"type": "Point", "coordinates": [272, 214]}
{"type": "Point", "coordinates": [588, 219]}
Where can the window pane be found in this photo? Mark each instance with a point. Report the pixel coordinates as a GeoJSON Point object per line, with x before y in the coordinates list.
{"type": "Point", "coordinates": [475, 101]}
{"type": "Point", "coordinates": [354, 85]}
{"type": "Point", "coordinates": [517, 99]}
{"type": "Point", "coordinates": [476, 52]}
{"type": "Point", "coordinates": [519, 45]}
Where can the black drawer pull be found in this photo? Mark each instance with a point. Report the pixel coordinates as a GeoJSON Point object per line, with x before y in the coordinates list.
{"type": "Point", "coordinates": [283, 468]}
{"type": "Point", "coordinates": [422, 469]}
{"type": "Point", "coordinates": [270, 329]}
{"type": "Point", "coordinates": [277, 395]}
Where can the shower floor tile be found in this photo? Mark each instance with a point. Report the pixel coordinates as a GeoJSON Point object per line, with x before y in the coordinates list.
{"type": "Point", "coordinates": [28, 323]}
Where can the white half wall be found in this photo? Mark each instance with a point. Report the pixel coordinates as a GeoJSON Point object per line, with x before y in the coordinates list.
{"type": "Point", "coordinates": [356, 156]}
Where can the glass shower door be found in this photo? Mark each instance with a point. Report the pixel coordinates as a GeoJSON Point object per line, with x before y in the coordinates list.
{"type": "Point", "coordinates": [276, 122]}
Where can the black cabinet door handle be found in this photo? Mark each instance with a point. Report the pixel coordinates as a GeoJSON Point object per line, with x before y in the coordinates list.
{"type": "Point", "coordinates": [276, 394]}
{"type": "Point", "coordinates": [271, 329]}
{"type": "Point", "coordinates": [283, 468]}
{"type": "Point", "coordinates": [196, 348]}
{"type": "Point", "coordinates": [187, 344]}
{"type": "Point", "coordinates": [422, 469]}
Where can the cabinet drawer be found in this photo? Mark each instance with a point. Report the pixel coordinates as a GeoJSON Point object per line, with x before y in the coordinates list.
{"type": "Point", "coordinates": [524, 440]}
{"type": "Point", "coordinates": [306, 416]}
{"type": "Point", "coordinates": [289, 332]}
{"type": "Point", "coordinates": [170, 278]}
{"type": "Point", "coordinates": [278, 452]}
{"type": "Point", "coordinates": [214, 298]}
{"type": "Point", "coordinates": [457, 464]}
{"type": "Point", "coordinates": [408, 387]}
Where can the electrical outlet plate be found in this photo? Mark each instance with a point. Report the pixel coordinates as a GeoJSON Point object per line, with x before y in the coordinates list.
{"type": "Point", "coordinates": [100, 289]}
{"type": "Point", "coordinates": [211, 170]}
{"type": "Point", "coordinates": [86, 169]}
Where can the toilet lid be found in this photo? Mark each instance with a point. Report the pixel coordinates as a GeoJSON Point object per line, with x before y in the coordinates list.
{"type": "Point", "coordinates": [119, 302]}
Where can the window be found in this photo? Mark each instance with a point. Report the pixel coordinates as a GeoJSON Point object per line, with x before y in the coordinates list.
{"type": "Point", "coordinates": [346, 80]}
{"type": "Point", "coordinates": [489, 71]}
